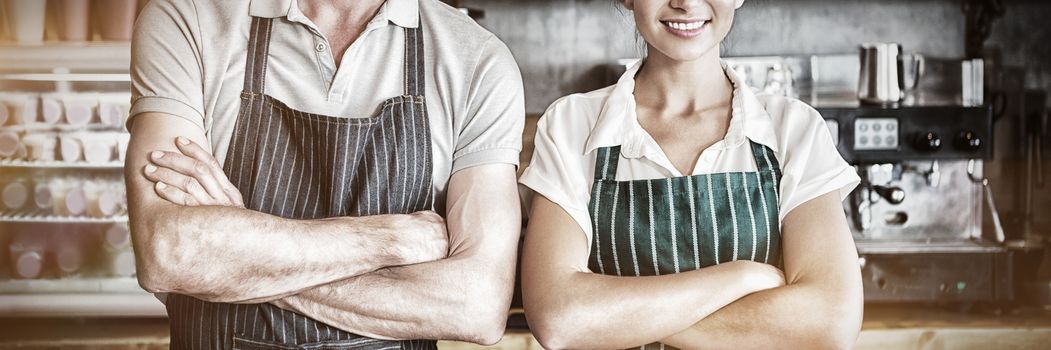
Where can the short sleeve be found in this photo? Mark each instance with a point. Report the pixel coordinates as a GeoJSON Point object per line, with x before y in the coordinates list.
{"type": "Point", "coordinates": [557, 170]}
{"type": "Point", "coordinates": [491, 131]}
{"type": "Point", "coordinates": [812, 164]}
{"type": "Point", "coordinates": [166, 62]}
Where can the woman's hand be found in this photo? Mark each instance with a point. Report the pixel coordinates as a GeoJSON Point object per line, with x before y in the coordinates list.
{"type": "Point", "coordinates": [758, 276]}
{"type": "Point", "coordinates": [191, 177]}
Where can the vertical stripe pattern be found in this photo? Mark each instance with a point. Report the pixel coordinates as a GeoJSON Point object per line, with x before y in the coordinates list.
{"type": "Point", "coordinates": [685, 223]}
{"type": "Point", "coordinates": [307, 166]}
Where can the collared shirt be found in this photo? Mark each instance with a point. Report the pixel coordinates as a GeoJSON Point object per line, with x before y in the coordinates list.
{"type": "Point", "coordinates": [575, 126]}
{"type": "Point", "coordinates": [188, 60]}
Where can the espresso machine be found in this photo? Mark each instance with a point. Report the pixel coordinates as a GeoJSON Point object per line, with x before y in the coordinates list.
{"type": "Point", "coordinates": [919, 133]}
{"type": "Point", "coordinates": [917, 216]}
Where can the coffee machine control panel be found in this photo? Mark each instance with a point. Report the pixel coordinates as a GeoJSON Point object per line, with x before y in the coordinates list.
{"type": "Point", "coordinates": [871, 135]}
{"type": "Point", "coordinates": [876, 134]}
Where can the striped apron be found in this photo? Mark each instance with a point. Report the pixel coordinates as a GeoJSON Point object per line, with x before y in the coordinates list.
{"type": "Point", "coordinates": [671, 225]}
{"type": "Point", "coordinates": [300, 165]}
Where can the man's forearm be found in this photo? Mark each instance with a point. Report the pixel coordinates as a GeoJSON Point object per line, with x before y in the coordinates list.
{"type": "Point", "coordinates": [796, 316]}
{"type": "Point", "coordinates": [464, 299]}
{"type": "Point", "coordinates": [229, 254]}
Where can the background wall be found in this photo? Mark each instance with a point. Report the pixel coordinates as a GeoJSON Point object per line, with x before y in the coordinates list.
{"type": "Point", "coordinates": [562, 46]}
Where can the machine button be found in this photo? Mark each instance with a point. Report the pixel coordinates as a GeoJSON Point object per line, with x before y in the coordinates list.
{"type": "Point", "coordinates": [864, 140]}
{"type": "Point", "coordinates": [968, 141]}
{"type": "Point", "coordinates": [891, 127]}
{"type": "Point", "coordinates": [863, 127]}
{"type": "Point", "coordinates": [928, 142]}
{"type": "Point", "coordinates": [876, 127]}
{"type": "Point", "coordinates": [876, 140]}
{"type": "Point", "coordinates": [892, 141]}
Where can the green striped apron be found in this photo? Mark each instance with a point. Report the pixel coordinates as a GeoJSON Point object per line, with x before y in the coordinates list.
{"type": "Point", "coordinates": [665, 226]}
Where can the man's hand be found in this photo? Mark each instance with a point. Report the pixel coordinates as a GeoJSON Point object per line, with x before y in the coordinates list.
{"type": "Point", "coordinates": [191, 178]}
{"type": "Point", "coordinates": [194, 178]}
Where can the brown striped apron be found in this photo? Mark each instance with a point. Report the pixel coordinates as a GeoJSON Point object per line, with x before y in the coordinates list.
{"type": "Point", "coordinates": [300, 165]}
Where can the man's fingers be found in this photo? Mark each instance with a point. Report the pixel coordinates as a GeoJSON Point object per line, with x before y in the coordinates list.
{"type": "Point", "coordinates": [188, 166]}
{"type": "Point", "coordinates": [174, 195]}
{"type": "Point", "coordinates": [197, 152]}
{"type": "Point", "coordinates": [174, 181]}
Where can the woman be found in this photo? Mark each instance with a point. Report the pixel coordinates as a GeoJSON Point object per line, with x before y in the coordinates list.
{"type": "Point", "coordinates": [666, 206]}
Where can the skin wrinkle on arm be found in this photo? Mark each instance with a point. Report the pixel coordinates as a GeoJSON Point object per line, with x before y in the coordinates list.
{"type": "Point", "coordinates": [823, 279]}
{"type": "Point", "coordinates": [465, 297]}
{"type": "Point", "coordinates": [202, 251]}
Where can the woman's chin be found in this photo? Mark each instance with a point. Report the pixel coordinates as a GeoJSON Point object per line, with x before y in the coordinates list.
{"type": "Point", "coordinates": [684, 53]}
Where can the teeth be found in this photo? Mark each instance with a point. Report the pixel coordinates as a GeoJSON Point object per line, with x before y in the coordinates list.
{"type": "Point", "coordinates": [685, 26]}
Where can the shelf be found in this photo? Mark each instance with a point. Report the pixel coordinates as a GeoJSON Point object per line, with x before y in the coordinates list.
{"type": "Point", "coordinates": [106, 285]}
{"type": "Point", "coordinates": [77, 297]}
{"type": "Point", "coordinates": [112, 56]}
{"type": "Point", "coordinates": [11, 163]}
{"type": "Point", "coordinates": [38, 216]}
{"type": "Point", "coordinates": [98, 77]}
{"type": "Point", "coordinates": [137, 304]}
{"type": "Point", "coordinates": [43, 127]}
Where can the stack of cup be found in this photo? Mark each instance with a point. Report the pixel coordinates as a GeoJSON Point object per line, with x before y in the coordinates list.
{"type": "Point", "coordinates": [15, 194]}
{"type": "Point", "coordinates": [118, 258]}
{"type": "Point", "coordinates": [68, 197]}
{"type": "Point", "coordinates": [80, 108]}
{"type": "Point", "coordinates": [113, 108]}
{"type": "Point", "coordinates": [19, 108]}
{"type": "Point", "coordinates": [99, 148]}
{"type": "Point", "coordinates": [25, 19]}
{"type": "Point", "coordinates": [70, 245]}
{"type": "Point", "coordinates": [73, 18]}
{"type": "Point", "coordinates": [11, 146]}
{"type": "Point", "coordinates": [51, 109]}
{"type": "Point", "coordinates": [42, 195]}
{"type": "Point", "coordinates": [103, 198]}
{"type": "Point", "coordinates": [27, 250]}
{"type": "Point", "coordinates": [40, 146]}
{"type": "Point", "coordinates": [115, 18]}
{"type": "Point", "coordinates": [70, 148]}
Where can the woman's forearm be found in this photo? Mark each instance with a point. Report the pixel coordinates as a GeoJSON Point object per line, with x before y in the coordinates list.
{"type": "Point", "coordinates": [585, 310]}
{"type": "Point", "coordinates": [798, 316]}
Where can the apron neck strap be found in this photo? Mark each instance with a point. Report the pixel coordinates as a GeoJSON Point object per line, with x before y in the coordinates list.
{"type": "Point", "coordinates": [258, 49]}
{"type": "Point", "coordinates": [414, 71]}
{"type": "Point", "coordinates": [765, 160]}
{"type": "Point", "coordinates": [606, 163]}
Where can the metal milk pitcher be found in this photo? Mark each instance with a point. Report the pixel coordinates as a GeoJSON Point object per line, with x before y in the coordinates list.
{"type": "Point", "coordinates": [882, 78]}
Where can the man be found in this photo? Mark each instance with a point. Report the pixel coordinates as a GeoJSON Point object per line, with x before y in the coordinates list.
{"type": "Point", "coordinates": [291, 163]}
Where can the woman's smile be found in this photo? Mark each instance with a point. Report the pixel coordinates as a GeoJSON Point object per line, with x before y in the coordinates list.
{"type": "Point", "coordinates": [686, 28]}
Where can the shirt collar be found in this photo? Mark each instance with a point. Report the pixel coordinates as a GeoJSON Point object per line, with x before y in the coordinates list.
{"type": "Point", "coordinates": [403, 13]}
{"type": "Point", "coordinates": [618, 124]}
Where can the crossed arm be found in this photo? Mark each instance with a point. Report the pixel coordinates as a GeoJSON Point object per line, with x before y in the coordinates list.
{"type": "Point", "coordinates": [386, 276]}
{"type": "Point", "coordinates": [727, 306]}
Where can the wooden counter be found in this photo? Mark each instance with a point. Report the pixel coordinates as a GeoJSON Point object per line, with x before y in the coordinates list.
{"type": "Point", "coordinates": [885, 327]}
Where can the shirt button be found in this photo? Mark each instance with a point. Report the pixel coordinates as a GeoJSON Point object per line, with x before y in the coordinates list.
{"type": "Point", "coordinates": [320, 47]}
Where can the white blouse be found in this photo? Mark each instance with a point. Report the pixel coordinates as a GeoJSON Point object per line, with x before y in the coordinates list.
{"type": "Point", "coordinates": [574, 127]}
